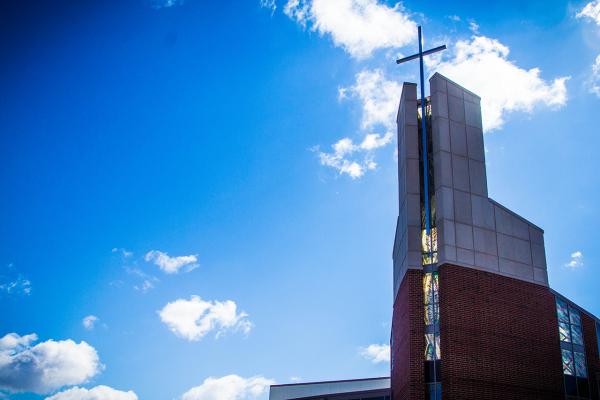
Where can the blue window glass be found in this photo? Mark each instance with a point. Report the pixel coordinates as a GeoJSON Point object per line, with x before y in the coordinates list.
{"type": "Point", "coordinates": [574, 316]}
{"type": "Point", "coordinates": [564, 332]}
{"type": "Point", "coordinates": [576, 335]}
{"type": "Point", "coordinates": [432, 314]}
{"type": "Point", "coordinates": [562, 310]}
{"type": "Point", "coordinates": [429, 341]}
{"type": "Point", "coordinates": [430, 287]}
{"type": "Point", "coordinates": [580, 367]}
{"type": "Point", "coordinates": [567, 361]}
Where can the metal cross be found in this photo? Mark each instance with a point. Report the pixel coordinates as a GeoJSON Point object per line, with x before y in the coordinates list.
{"type": "Point", "coordinates": [420, 55]}
{"type": "Point", "coordinates": [426, 183]}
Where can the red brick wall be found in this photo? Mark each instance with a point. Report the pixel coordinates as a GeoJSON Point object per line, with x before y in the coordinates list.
{"type": "Point", "coordinates": [499, 338]}
{"type": "Point", "coordinates": [591, 350]}
{"type": "Point", "coordinates": [409, 342]}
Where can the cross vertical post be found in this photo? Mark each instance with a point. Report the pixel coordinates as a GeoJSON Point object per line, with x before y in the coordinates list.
{"type": "Point", "coordinates": [428, 236]}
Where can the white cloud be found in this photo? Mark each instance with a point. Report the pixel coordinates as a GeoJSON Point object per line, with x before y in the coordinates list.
{"type": "Point", "coordinates": [45, 367]}
{"type": "Point", "coordinates": [595, 78]}
{"type": "Point", "coordinates": [16, 286]}
{"type": "Point", "coordinates": [124, 252]}
{"type": "Point", "coordinates": [193, 319]}
{"type": "Point", "coordinates": [454, 18]}
{"type": "Point", "coordinates": [379, 100]}
{"type": "Point", "coordinates": [482, 65]}
{"type": "Point", "coordinates": [358, 26]}
{"type": "Point", "coordinates": [172, 265]}
{"type": "Point", "coordinates": [100, 392]}
{"type": "Point", "coordinates": [89, 322]}
{"type": "Point", "coordinates": [146, 281]}
{"type": "Point", "coordinates": [230, 387]}
{"type": "Point", "coordinates": [591, 10]}
{"type": "Point", "coordinates": [576, 260]}
{"type": "Point", "coordinates": [378, 96]}
{"type": "Point", "coordinates": [269, 4]}
{"type": "Point", "coordinates": [377, 353]}
{"type": "Point", "coordinates": [354, 159]}
{"type": "Point", "coordinates": [474, 27]}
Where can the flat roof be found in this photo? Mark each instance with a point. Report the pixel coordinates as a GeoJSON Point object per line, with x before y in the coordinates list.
{"type": "Point", "coordinates": [327, 388]}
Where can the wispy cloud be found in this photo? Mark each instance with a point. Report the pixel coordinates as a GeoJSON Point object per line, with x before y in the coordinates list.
{"type": "Point", "coordinates": [358, 26]}
{"type": "Point", "coordinates": [591, 10]}
{"type": "Point", "coordinates": [194, 318]}
{"type": "Point", "coordinates": [124, 252]}
{"type": "Point", "coordinates": [45, 367]}
{"type": "Point", "coordinates": [576, 260]}
{"type": "Point", "coordinates": [230, 387]}
{"type": "Point", "coordinates": [89, 322]}
{"type": "Point", "coordinates": [158, 4]}
{"type": "Point", "coordinates": [146, 281]}
{"type": "Point", "coordinates": [12, 282]}
{"type": "Point", "coordinates": [172, 265]}
{"type": "Point", "coordinates": [378, 97]}
{"type": "Point", "coordinates": [269, 4]}
{"type": "Point", "coordinates": [482, 65]}
{"type": "Point", "coordinates": [594, 80]}
{"type": "Point", "coordinates": [376, 353]}
{"type": "Point", "coordinates": [100, 392]}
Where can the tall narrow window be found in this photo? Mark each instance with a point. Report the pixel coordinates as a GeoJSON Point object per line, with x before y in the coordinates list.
{"type": "Point", "coordinates": [574, 365]}
{"type": "Point", "coordinates": [429, 258]}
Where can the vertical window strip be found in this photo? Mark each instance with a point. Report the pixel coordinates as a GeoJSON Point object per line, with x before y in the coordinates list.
{"type": "Point", "coordinates": [573, 359]}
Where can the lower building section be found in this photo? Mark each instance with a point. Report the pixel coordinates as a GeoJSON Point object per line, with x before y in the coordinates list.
{"type": "Point", "coordinates": [499, 337]}
{"type": "Point", "coordinates": [407, 344]}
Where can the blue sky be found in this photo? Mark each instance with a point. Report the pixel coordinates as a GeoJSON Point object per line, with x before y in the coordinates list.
{"type": "Point", "coordinates": [166, 162]}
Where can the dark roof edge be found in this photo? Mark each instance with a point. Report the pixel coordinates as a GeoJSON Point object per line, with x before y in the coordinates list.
{"type": "Point", "coordinates": [338, 381]}
{"type": "Point", "coordinates": [361, 393]}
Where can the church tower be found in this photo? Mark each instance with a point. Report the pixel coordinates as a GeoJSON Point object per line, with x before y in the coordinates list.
{"type": "Point", "coordinates": [473, 315]}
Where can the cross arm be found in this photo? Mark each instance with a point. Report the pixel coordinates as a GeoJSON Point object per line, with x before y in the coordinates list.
{"type": "Point", "coordinates": [425, 53]}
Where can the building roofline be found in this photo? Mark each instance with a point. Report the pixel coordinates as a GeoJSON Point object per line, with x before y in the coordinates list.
{"type": "Point", "coordinates": [515, 214]}
{"type": "Point", "coordinates": [325, 382]}
{"type": "Point", "coordinates": [589, 314]}
{"type": "Point", "coordinates": [451, 81]}
{"type": "Point", "coordinates": [344, 394]}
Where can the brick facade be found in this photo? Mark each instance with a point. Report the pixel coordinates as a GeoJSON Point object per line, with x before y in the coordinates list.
{"type": "Point", "coordinates": [408, 341]}
{"type": "Point", "coordinates": [499, 337]}
{"type": "Point", "coordinates": [592, 356]}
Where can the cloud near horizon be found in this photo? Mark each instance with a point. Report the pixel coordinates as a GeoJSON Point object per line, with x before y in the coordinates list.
{"type": "Point", "coordinates": [45, 367]}
{"type": "Point", "coordinates": [360, 27]}
{"type": "Point", "coordinates": [100, 392]}
{"type": "Point", "coordinates": [194, 318]}
{"type": "Point", "coordinates": [230, 387]}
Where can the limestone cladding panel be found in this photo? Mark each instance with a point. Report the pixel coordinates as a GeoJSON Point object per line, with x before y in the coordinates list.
{"type": "Point", "coordinates": [473, 230]}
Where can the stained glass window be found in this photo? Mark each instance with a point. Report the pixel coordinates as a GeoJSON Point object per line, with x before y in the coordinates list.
{"type": "Point", "coordinates": [564, 332]}
{"type": "Point", "coordinates": [574, 316]}
{"type": "Point", "coordinates": [577, 335]}
{"type": "Point", "coordinates": [431, 283]}
{"type": "Point", "coordinates": [429, 246]}
{"type": "Point", "coordinates": [429, 347]}
{"type": "Point", "coordinates": [432, 314]}
{"type": "Point", "coordinates": [567, 361]}
{"type": "Point", "coordinates": [580, 367]}
{"type": "Point", "coordinates": [562, 310]}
